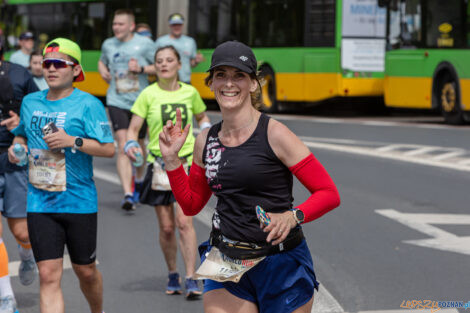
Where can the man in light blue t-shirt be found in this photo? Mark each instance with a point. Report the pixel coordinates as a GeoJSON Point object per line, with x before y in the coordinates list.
{"type": "Point", "coordinates": [22, 56]}
{"type": "Point", "coordinates": [185, 45]}
{"type": "Point", "coordinates": [126, 60]}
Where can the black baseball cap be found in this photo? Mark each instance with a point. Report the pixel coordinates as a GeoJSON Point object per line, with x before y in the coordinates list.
{"type": "Point", "coordinates": [26, 35]}
{"type": "Point", "coordinates": [235, 54]}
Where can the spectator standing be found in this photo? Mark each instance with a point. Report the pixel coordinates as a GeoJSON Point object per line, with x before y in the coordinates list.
{"type": "Point", "coordinates": [22, 55]}
{"type": "Point", "coordinates": [144, 29]}
{"type": "Point", "coordinates": [185, 45]}
{"type": "Point", "coordinates": [15, 83]}
{"type": "Point", "coordinates": [126, 60]}
{"type": "Point", "coordinates": [35, 66]}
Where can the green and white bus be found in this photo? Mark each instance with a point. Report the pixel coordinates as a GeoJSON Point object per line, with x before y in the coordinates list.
{"type": "Point", "coordinates": [427, 63]}
{"type": "Point", "coordinates": [308, 50]}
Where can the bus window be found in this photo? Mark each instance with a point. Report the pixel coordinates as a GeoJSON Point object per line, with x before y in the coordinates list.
{"type": "Point", "coordinates": [410, 24]}
{"type": "Point", "coordinates": [394, 26]}
{"type": "Point", "coordinates": [445, 27]}
{"type": "Point", "coordinates": [269, 28]}
{"type": "Point", "coordinates": [467, 23]}
{"type": "Point", "coordinates": [87, 23]}
{"type": "Point", "coordinates": [405, 29]}
{"type": "Point", "coordinates": [258, 23]}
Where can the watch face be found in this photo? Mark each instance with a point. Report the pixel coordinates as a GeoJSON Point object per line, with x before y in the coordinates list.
{"type": "Point", "coordinates": [78, 142]}
{"type": "Point", "coordinates": [300, 215]}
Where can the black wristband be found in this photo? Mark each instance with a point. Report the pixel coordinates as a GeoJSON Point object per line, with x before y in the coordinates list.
{"type": "Point", "coordinates": [142, 68]}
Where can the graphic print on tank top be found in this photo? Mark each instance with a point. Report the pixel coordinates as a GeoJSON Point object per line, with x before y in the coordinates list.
{"type": "Point", "coordinates": [213, 157]}
{"type": "Point", "coordinates": [242, 177]}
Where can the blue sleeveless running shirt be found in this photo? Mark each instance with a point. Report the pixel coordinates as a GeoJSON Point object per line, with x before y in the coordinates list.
{"type": "Point", "coordinates": [245, 176]}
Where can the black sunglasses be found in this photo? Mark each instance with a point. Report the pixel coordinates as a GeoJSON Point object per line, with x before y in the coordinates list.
{"type": "Point", "coordinates": [58, 63]}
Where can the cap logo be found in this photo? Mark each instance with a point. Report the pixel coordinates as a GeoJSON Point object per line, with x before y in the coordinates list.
{"type": "Point", "coordinates": [52, 49]}
{"type": "Point", "coordinates": [243, 58]}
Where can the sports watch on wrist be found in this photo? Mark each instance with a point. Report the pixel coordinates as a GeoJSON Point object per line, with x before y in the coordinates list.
{"type": "Point", "coordinates": [77, 144]}
{"type": "Point", "coordinates": [299, 216]}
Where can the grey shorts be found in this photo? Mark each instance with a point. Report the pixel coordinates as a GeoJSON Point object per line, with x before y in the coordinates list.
{"type": "Point", "coordinates": [13, 192]}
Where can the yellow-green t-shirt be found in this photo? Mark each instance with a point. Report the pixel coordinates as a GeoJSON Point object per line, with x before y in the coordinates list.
{"type": "Point", "coordinates": [157, 106]}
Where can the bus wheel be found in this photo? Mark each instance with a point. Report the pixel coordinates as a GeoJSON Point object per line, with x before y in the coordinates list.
{"type": "Point", "coordinates": [450, 101]}
{"type": "Point", "coordinates": [268, 90]}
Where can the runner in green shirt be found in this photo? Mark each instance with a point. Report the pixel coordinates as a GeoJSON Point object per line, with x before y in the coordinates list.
{"type": "Point", "coordinates": [157, 104]}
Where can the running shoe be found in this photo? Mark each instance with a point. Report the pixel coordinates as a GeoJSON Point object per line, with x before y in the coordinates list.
{"type": "Point", "coordinates": [137, 190]}
{"type": "Point", "coordinates": [128, 203]}
{"type": "Point", "coordinates": [174, 286]}
{"type": "Point", "coordinates": [8, 305]}
{"type": "Point", "coordinates": [192, 289]}
{"type": "Point", "coordinates": [27, 271]}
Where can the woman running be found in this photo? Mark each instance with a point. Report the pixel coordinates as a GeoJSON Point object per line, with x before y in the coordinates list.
{"type": "Point", "coordinates": [248, 161]}
{"type": "Point", "coordinates": [157, 104]}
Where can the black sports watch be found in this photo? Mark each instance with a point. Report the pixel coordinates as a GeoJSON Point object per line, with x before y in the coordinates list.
{"type": "Point", "coordinates": [299, 216]}
{"type": "Point", "coordinates": [78, 143]}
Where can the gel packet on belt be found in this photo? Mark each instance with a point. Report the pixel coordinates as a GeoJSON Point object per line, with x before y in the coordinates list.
{"type": "Point", "coordinates": [262, 216]}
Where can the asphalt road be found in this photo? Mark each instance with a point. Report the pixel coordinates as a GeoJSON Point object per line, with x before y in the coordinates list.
{"type": "Point", "coordinates": [401, 233]}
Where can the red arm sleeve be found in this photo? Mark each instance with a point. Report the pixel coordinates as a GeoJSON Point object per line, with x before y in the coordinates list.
{"type": "Point", "coordinates": [191, 193]}
{"type": "Point", "coordinates": [315, 178]}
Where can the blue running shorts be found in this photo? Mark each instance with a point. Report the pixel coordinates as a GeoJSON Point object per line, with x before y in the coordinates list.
{"type": "Point", "coordinates": [280, 283]}
{"type": "Point", "coordinates": [13, 192]}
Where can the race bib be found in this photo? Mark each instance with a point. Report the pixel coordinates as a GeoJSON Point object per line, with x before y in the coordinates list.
{"type": "Point", "coordinates": [47, 170]}
{"type": "Point", "coordinates": [160, 179]}
{"type": "Point", "coordinates": [219, 267]}
{"type": "Point", "coordinates": [126, 81]}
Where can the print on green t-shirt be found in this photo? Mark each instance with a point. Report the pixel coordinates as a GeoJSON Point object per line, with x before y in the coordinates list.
{"type": "Point", "coordinates": [169, 112]}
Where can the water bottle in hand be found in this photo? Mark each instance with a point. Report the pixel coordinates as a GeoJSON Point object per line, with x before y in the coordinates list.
{"type": "Point", "coordinates": [139, 160]}
{"type": "Point", "coordinates": [20, 154]}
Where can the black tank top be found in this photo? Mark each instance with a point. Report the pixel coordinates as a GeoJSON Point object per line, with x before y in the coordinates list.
{"type": "Point", "coordinates": [245, 176]}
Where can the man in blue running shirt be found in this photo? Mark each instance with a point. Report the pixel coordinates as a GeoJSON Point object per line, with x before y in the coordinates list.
{"type": "Point", "coordinates": [62, 201]}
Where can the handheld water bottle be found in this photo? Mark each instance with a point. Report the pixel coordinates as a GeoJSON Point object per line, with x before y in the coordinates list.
{"type": "Point", "coordinates": [20, 154]}
{"type": "Point", "coordinates": [139, 160]}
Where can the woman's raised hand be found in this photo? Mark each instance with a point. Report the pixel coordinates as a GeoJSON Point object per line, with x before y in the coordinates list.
{"type": "Point", "coordinates": [172, 138]}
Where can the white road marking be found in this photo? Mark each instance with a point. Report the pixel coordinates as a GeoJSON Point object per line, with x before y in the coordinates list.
{"type": "Point", "coordinates": [379, 123]}
{"type": "Point", "coordinates": [418, 151]}
{"type": "Point", "coordinates": [324, 301]}
{"type": "Point", "coordinates": [464, 162]}
{"type": "Point", "coordinates": [441, 239]}
{"type": "Point", "coordinates": [453, 153]}
{"type": "Point", "coordinates": [388, 152]}
{"type": "Point", "coordinates": [362, 121]}
{"type": "Point", "coordinates": [394, 147]}
{"type": "Point", "coordinates": [431, 126]}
